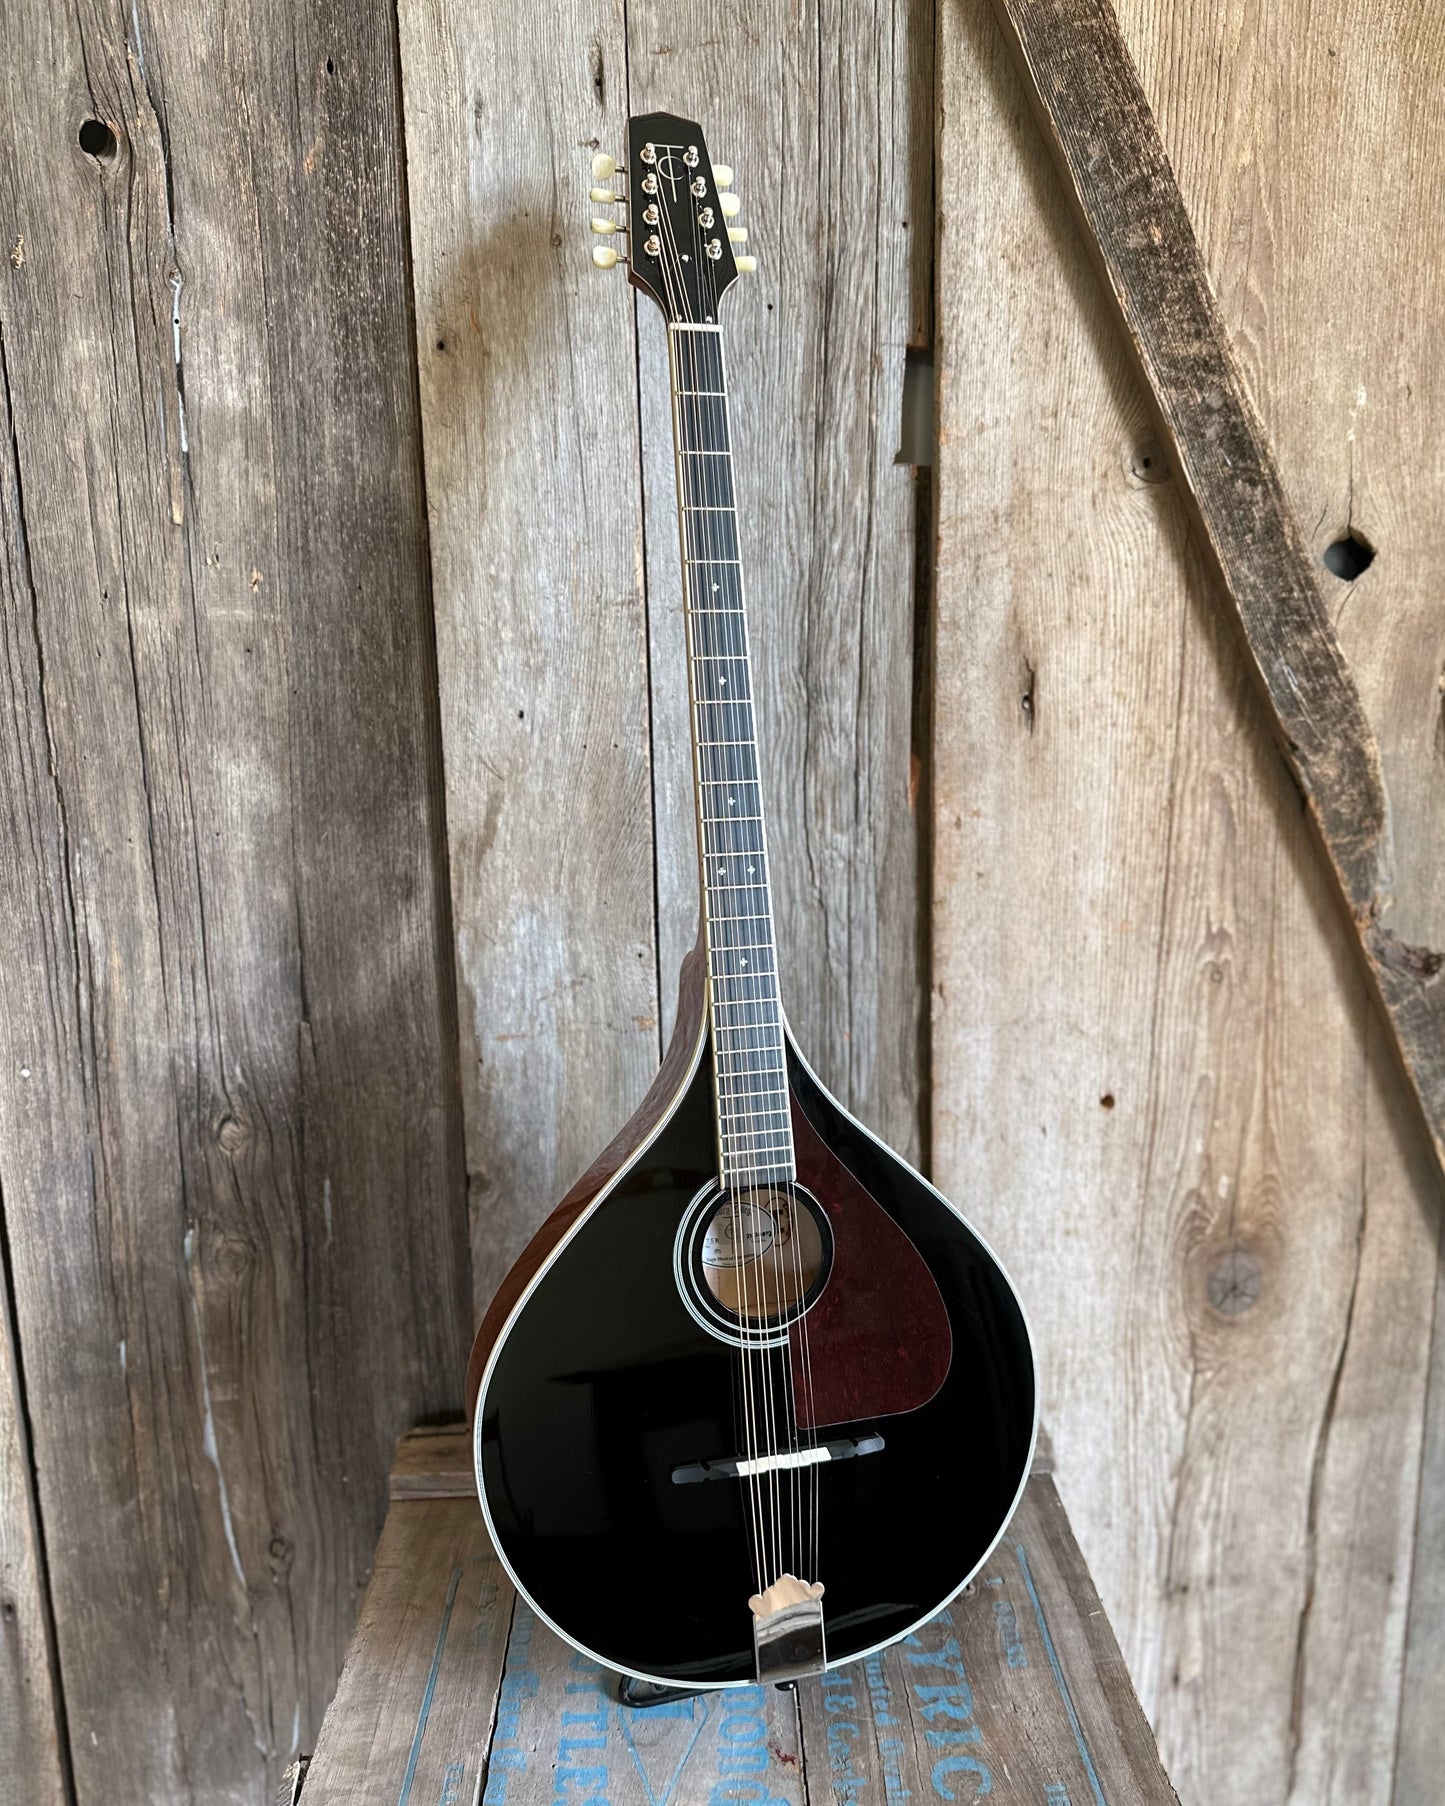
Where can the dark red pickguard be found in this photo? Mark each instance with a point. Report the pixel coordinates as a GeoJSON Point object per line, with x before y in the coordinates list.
{"type": "Point", "coordinates": [878, 1339]}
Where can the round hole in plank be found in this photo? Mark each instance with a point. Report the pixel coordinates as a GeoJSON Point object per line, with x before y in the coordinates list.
{"type": "Point", "coordinates": [1350, 556]}
{"type": "Point", "coordinates": [97, 140]}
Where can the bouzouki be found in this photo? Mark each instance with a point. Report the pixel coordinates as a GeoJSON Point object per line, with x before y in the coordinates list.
{"type": "Point", "coordinates": [755, 1400]}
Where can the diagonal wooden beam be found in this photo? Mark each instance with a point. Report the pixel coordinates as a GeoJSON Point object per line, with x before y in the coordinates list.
{"type": "Point", "coordinates": [1094, 114]}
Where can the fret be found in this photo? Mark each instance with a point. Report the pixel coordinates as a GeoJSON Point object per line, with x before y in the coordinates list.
{"type": "Point", "coordinates": [691, 392]}
{"type": "Point", "coordinates": [737, 1081]}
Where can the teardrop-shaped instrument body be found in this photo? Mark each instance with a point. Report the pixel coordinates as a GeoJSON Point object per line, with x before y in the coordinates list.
{"type": "Point", "coordinates": [612, 1410]}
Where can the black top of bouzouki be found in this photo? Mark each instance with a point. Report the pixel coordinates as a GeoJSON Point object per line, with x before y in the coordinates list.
{"type": "Point", "coordinates": [755, 1400]}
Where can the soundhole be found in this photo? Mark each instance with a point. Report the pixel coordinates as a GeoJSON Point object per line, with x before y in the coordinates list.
{"type": "Point", "coordinates": [752, 1261]}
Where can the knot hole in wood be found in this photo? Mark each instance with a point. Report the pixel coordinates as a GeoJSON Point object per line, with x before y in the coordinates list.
{"type": "Point", "coordinates": [1234, 1285]}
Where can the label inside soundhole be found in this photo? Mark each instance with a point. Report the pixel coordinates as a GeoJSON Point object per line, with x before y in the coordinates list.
{"type": "Point", "coordinates": [738, 1232]}
{"type": "Point", "coordinates": [761, 1252]}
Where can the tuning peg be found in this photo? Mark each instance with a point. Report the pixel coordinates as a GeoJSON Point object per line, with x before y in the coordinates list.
{"type": "Point", "coordinates": [737, 235]}
{"type": "Point", "coordinates": [746, 266]}
{"type": "Point", "coordinates": [722, 175]}
{"type": "Point", "coordinates": [605, 257]}
{"type": "Point", "coordinates": [603, 167]}
{"type": "Point", "coordinates": [604, 197]}
{"type": "Point", "coordinates": [605, 227]}
{"type": "Point", "coordinates": [730, 204]}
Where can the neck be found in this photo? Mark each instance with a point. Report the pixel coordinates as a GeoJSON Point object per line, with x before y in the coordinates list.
{"type": "Point", "coordinates": [755, 1137]}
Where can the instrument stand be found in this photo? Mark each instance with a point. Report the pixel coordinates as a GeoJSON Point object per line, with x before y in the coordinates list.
{"type": "Point", "coordinates": [641, 1694]}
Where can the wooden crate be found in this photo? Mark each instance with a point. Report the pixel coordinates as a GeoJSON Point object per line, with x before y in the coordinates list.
{"type": "Point", "coordinates": [453, 1692]}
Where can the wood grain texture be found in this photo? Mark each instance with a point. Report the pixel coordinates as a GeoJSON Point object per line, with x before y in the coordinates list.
{"type": "Point", "coordinates": [30, 1734]}
{"type": "Point", "coordinates": [1419, 1759]}
{"type": "Point", "coordinates": [229, 1143]}
{"type": "Point", "coordinates": [528, 395]}
{"type": "Point", "coordinates": [1095, 115]}
{"type": "Point", "coordinates": [824, 114]}
{"type": "Point", "coordinates": [1216, 1205]}
{"type": "Point", "coordinates": [414, 1709]}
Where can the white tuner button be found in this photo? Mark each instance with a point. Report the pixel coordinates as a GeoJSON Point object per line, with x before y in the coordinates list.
{"type": "Point", "coordinates": [604, 197]}
{"type": "Point", "coordinates": [603, 167]}
{"type": "Point", "coordinates": [730, 204]}
{"type": "Point", "coordinates": [605, 227]}
{"type": "Point", "coordinates": [747, 266]}
{"type": "Point", "coordinates": [737, 235]}
{"type": "Point", "coordinates": [722, 175]}
{"type": "Point", "coordinates": [604, 257]}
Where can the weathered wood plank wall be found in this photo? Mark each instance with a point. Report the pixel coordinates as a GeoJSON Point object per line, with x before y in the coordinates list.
{"type": "Point", "coordinates": [229, 1134]}
{"type": "Point", "coordinates": [529, 411]}
{"type": "Point", "coordinates": [560, 647]}
{"type": "Point", "coordinates": [1154, 1051]}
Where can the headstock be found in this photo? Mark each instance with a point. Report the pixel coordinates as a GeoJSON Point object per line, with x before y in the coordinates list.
{"type": "Point", "coordinates": [680, 212]}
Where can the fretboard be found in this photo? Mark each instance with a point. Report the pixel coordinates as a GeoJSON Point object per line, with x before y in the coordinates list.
{"type": "Point", "coordinates": [755, 1136]}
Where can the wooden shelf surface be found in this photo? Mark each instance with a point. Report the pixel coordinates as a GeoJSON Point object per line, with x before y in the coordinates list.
{"type": "Point", "coordinates": [454, 1693]}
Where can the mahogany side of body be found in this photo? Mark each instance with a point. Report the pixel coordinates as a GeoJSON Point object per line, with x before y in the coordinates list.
{"type": "Point", "coordinates": [592, 1388]}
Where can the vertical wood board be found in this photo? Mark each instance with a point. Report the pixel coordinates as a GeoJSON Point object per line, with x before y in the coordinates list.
{"type": "Point", "coordinates": [229, 1137]}
{"type": "Point", "coordinates": [30, 1733]}
{"type": "Point", "coordinates": [1141, 977]}
{"type": "Point", "coordinates": [1316, 256]}
{"type": "Point", "coordinates": [529, 417]}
